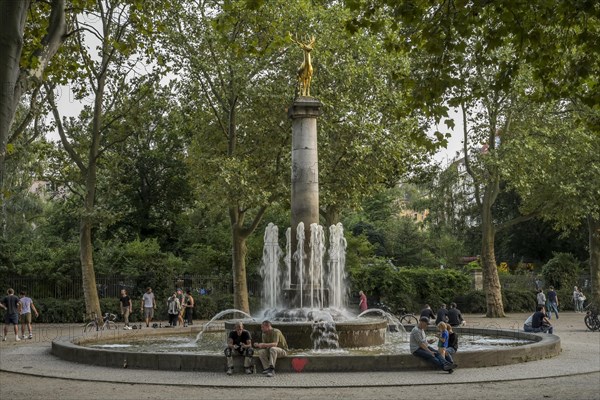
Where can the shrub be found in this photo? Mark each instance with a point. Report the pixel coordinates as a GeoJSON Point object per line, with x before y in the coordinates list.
{"type": "Point", "coordinates": [471, 302]}
{"type": "Point", "coordinates": [561, 271]}
{"type": "Point", "coordinates": [518, 300]}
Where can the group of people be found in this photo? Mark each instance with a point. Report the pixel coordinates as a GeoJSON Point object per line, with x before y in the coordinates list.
{"type": "Point", "coordinates": [18, 309]}
{"type": "Point", "coordinates": [549, 301]}
{"type": "Point", "coordinates": [272, 346]}
{"type": "Point", "coordinates": [451, 316]}
{"type": "Point", "coordinates": [180, 307]}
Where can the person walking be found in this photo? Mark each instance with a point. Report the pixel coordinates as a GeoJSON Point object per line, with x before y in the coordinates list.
{"type": "Point", "coordinates": [148, 306]}
{"type": "Point", "coordinates": [12, 305]}
{"type": "Point", "coordinates": [126, 307]}
{"type": "Point", "coordinates": [273, 346]}
{"type": "Point", "coordinates": [362, 304]}
{"type": "Point", "coordinates": [552, 303]}
{"type": "Point", "coordinates": [25, 317]}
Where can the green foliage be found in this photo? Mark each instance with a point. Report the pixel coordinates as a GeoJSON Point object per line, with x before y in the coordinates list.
{"type": "Point", "coordinates": [561, 271]}
{"type": "Point", "coordinates": [518, 300]}
{"type": "Point", "coordinates": [408, 288]}
{"type": "Point", "coordinates": [472, 301]}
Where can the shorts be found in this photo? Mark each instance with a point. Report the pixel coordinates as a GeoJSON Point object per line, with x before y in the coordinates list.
{"type": "Point", "coordinates": [148, 312]}
{"type": "Point", "coordinates": [26, 318]}
{"type": "Point", "coordinates": [11, 319]}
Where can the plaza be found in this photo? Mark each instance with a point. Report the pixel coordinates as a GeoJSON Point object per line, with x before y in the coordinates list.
{"type": "Point", "coordinates": [27, 369]}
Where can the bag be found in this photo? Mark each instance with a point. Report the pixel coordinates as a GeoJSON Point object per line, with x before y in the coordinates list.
{"type": "Point", "coordinates": [581, 297]}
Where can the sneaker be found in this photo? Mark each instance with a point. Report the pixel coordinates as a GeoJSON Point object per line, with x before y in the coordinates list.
{"type": "Point", "coordinates": [271, 373]}
{"type": "Point", "coordinates": [266, 371]}
{"type": "Point", "coordinates": [31, 336]}
{"type": "Point", "coordinates": [229, 371]}
{"type": "Point", "coordinates": [4, 339]}
{"type": "Point", "coordinates": [449, 367]}
{"type": "Point", "coordinates": [450, 371]}
{"type": "Point", "coordinates": [249, 371]}
{"type": "Point", "coordinates": [17, 338]}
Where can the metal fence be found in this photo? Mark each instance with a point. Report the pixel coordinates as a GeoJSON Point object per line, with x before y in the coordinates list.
{"type": "Point", "coordinates": [71, 287]}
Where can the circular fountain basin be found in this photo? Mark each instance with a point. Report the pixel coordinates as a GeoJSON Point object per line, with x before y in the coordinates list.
{"type": "Point", "coordinates": [363, 332]}
{"type": "Point", "coordinates": [538, 346]}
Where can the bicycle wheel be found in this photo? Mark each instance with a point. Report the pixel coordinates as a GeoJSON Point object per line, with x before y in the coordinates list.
{"type": "Point", "coordinates": [409, 319]}
{"type": "Point", "coordinates": [90, 326]}
{"type": "Point", "coordinates": [110, 325]}
{"type": "Point", "coordinates": [592, 322]}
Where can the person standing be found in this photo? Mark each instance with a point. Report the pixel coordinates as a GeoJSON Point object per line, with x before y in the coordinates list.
{"type": "Point", "coordinates": [442, 315]}
{"type": "Point", "coordinates": [552, 303]}
{"type": "Point", "coordinates": [541, 298]}
{"type": "Point", "coordinates": [148, 306]}
{"type": "Point", "coordinates": [455, 317]}
{"type": "Point", "coordinates": [12, 305]}
{"type": "Point", "coordinates": [26, 307]}
{"type": "Point", "coordinates": [189, 308]}
{"type": "Point", "coordinates": [578, 299]}
{"type": "Point", "coordinates": [173, 309]}
{"type": "Point", "coordinates": [419, 347]}
{"type": "Point", "coordinates": [239, 343]}
{"type": "Point", "coordinates": [180, 297]}
{"type": "Point", "coordinates": [362, 304]}
{"type": "Point", "coordinates": [273, 345]}
{"type": "Point", "coordinates": [126, 307]}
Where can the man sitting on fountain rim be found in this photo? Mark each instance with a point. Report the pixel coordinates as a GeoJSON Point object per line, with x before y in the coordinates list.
{"type": "Point", "coordinates": [239, 343]}
{"type": "Point", "coordinates": [419, 347]}
{"type": "Point", "coordinates": [273, 345]}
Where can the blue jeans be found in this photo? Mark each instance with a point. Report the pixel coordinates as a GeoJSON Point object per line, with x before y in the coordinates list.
{"type": "Point", "coordinates": [435, 358]}
{"type": "Point", "coordinates": [544, 329]}
{"type": "Point", "coordinates": [552, 307]}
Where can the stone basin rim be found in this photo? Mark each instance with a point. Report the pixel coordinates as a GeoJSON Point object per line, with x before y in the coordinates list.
{"type": "Point", "coordinates": [543, 346]}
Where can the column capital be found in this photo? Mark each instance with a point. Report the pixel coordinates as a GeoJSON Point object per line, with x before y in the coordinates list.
{"type": "Point", "coordinates": [304, 107]}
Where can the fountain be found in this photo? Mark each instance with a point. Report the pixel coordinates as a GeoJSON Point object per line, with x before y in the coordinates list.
{"type": "Point", "coordinates": [305, 299]}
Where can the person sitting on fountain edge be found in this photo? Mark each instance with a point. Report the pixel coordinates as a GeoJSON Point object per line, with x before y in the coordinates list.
{"type": "Point", "coordinates": [273, 345]}
{"type": "Point", "coordinates": [239, 343]}
{"type": "Point", "coordinates": [419, 347]}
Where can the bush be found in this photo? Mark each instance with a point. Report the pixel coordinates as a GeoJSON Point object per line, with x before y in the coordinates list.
{"type": "Point", "coordinates": [518, 300]}
{"type": "Point", "coordinates": [561, 271]}
{"type": "Point", "coordinates": [472, 302]}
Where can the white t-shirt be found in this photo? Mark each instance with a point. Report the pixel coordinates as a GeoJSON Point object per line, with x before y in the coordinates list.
{"type": "Point", "coordinates": [148, 300]}
{"type": "Point", "coordinates": [25, 305]}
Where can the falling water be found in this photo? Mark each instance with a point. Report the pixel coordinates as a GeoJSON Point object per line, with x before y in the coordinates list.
{"type": "Point", "coordinates": [269, 269]}
{"type": "Point", "coordinates": [394, 323]}
{"type": "Point", "coordinates": [219, 315]}
{"type": "Point", "coordinates": [299, 258]}
{"type": "Point", "coordinates": [317, 253]}
{"type": "Point", "coordinates": [288, 258]}
{"type": "Point", "coordinates": [336, 278]}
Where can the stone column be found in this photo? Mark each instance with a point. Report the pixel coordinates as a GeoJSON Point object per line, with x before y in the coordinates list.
{"type": "Point", "coordinates": [305, 174]}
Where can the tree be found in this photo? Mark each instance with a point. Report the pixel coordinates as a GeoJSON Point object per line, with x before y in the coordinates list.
{"type": "Point", "coordinates": [31, 33]}
{"type": "Point", "coordinates": [115, 25]}
{"type": "Point", "coordinates": [240, 59]}
{"type": "Point", "coordinates": [451, 40]}
{"type": "Point", "coordinates": [556, 170]}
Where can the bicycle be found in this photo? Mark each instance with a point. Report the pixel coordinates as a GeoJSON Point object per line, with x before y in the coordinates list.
{"type": "Point", "coordinates": [592, 319]}
{"type": "Point", "coordinates": [108, 322]}
{"type": "Point", "coordinates": [407, 318]}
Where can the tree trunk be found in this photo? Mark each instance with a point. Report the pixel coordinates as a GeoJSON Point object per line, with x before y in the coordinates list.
{"type": "Point", "coordinates": [240, 286]}
{"type": "Point", "coordinates": [14, 15]}
{"type": "Point", "coordinates": [594, 244]}
{"type": "Point", "coordinates": [491, 281]}
{"type": "Point", "coordinates": [86, 251]}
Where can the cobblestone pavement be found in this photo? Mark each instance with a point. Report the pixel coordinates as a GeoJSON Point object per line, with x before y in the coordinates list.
{"type": "Point", "coordinates": [27, 369]}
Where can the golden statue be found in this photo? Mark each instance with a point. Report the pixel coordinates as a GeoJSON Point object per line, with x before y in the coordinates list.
{"type": "Point", "coordinates": [305, 71]}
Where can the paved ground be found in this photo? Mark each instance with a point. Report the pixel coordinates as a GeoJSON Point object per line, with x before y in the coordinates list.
{"type": "Point", "coordinates": [28, 370]}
